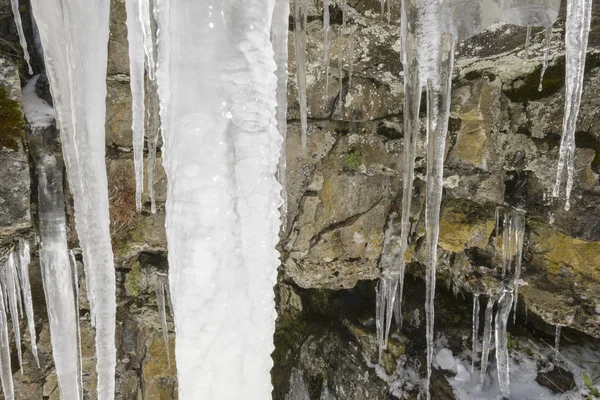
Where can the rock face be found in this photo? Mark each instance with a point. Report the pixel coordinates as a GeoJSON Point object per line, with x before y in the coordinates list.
{"type": "Point", "coordinates": [342, 192]}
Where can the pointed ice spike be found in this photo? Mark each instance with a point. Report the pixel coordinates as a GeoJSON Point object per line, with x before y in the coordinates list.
{"type": "Point", "coordinates": [579, 14]}
{"type": "Point", "coordinates": [5, 367]}
{"type": "Point", "coordinates": [487, 337]}
{"type": "Point", "coordinates": [160, 302]}
{"type": "Point", "coordinates": [527, 43]}
{"type": "Point", "coordinates": [19, 24]}
{"type": "Point", "coordinates": [75, 275]}
{"type": "Point", "coordinates": [519, 226]}
{"type": "Point", "coordinates": [13, 294]}
{"type": "Point", "coordinates": [145, 18]}
{"type": "Point", "coordinates": [502, 360]}
{"type": "Point", "coordinates": [24, 259]}
{"type": "Point", "coordinates": [382, 9]}
{"type": "Point", "coordinates": [136, 82]}
{"type": "Point", "coordinates": [548, 39]}
{"type": "Point", "coordinates": [557, 342]}
{"type": "Point", "coordinates": [74, 35]}
{"type": "Point", "coordinates": [389, 11]}
{"type": "Point", "coordinates": [300, 22]}
{"type": "Point", "coordinates": [475, 334]}
{"type": "Point", "coordinates": [279, 40]}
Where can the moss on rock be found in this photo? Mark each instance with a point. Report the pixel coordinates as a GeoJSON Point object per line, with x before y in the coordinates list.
{"type": "Point", "coordinates": [12, 124]}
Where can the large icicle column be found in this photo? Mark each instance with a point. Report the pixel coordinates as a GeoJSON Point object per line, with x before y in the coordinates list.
{"type": "Point", "coordinates": [74, 36]}
{"type": "Point", "coordinates": [217, 85]}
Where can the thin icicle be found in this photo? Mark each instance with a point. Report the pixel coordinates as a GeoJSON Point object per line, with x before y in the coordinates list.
{"type": "Point", "coordinates": [153, 131]}
{"type": "Point", "coordinates": [557, 342]}
{"type": "Point", "coordinates": [75, 275]}
{"type": "Point", "coordinates": [279, 40]}
{"type": "Point", "coordinates": [24, 259]}
{"type": "Point", "coordinates": [326, 45]}
{"type": "Point", "coordinates": [579, 14]}
{"type": "Point", "coordinates": [11, 288]}
{"type": "Point", "coordinates": [475, 334]}
{"type": "Point", "coordinates": [487, 338]}
{"type": "Point", "coordinates": [5, 367]}
{"type": "Point", "coordinates": [548, 39]}
{"type": "Point", "coordinates": [519, 227]}
{"type": "Point", "coordinates": [502, 361]}
{"type": "Point", "coordinates": [145, 18]}
{"type": "Point", "coordinates": [300, 25]}
{"type": "Point", "coordinates": [382, 9]}
{"type": "Point", "coordinates": [389, 11]}
{"type": "Point", "coordinates": [19, 24]}
{"type": "Point", "coordinates": [162, 312]}
{"type": "Point", "coordinates": [527, 43]}
{"type": "Point", "coordinates": [351, 57]}
{"type": "Point", "coordinates": [136, 82]}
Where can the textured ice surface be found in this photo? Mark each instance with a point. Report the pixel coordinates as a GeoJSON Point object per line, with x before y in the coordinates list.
{"type": "Point", "coordinates": [221, 151]}
{"type": "Point", "coordinates": [74, 36]}
{"type": "Point", "coordinates": [502, 361]}
{"type": "Point", "coordinates": [23, 272]}
{"type": "Point", "coordinates": [445, 359]}
{"type": "Point", "coordinates": [19, 24]}
{"type": "Point", "coordinates": [5, 367]}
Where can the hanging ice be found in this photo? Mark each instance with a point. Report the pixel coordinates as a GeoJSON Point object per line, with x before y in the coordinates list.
{"type": "Point", "coordinates": [19, 24]}
{"type": "Point", "coordinates": [23, 270]}
{"type": "Point", "coordinates": [527, 42]}
{"type": "Point", "coordinates": [5, 367]}
{"type": "Point", "coordinates": [487, 337]}
{"type": "Point", "coordinates": [145, 19]}
{"type": "Point", "coordinates": [557, 342]}
{"type": "Point", "coordinates": [221, 151]}
{"type": "Point", "coordinates": [279, 39]}
{"type": "Point", "coordinates": [326, 27]}
{"type": "Point", "coordinates": [547, 40]}
{"type": "Point", "coordinates": [512, 249]}
{"type": "Point", "coordinates": [300, 25]}
{"type": "Point", "coordinates": [504, 306]}
{"type": "Point", "coordinates": [74, 36]}
{"type": "Point", "coordinates": [153, 131]}
{"type": "Point", "coordinates": [162, 312]}
{"type": "Point", "coordinates": [136, 82]}
{"type": "Point", "coordinates": [10, 288]}
{"type": "Point", "coordinates": [475, 333]}
{"type": "Point", "coordinates": [579, 14]}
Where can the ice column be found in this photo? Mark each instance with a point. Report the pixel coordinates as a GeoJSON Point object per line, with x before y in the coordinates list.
{"type": "Point", "coordinates": [487, 337]}
{"type": "Point", "coordinates": [23, 272]}
{"type": "Point", "coordinates": [74, 35]}
{"type": "Point", "coordinates": [579, 14]}
{"type": "Point", "coordinates": [502, 361]}
{"type": "Point", "coordinates": [5, 367]}
{"type": "Point", "coordinates": [19, 24]}
{"type": "Point", "coordinates": [221, 151]}
{"type": "Point", "coordinates": [136, 82]}
{"type": "Point", "coordinates": [475, 333]}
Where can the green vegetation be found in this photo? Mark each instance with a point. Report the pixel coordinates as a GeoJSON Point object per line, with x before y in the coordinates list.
{"type": "Point", "coordinates": [132, 281]}
{"type": "Point", "coordinates": [594, 392]}
{"type": "Point", "coordinates": [12, 124]}
{"type": "Point", "coordinates": [352, 160]}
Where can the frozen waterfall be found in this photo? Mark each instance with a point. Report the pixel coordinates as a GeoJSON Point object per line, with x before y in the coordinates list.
{"type": "Point", "coordinates": [221, 151]}
{"type": "Point", "coordinates": [74, 37]}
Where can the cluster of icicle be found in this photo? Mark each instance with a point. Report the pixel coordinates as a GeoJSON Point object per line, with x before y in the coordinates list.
{"type": "Point", "coordinates": [430, 30]}
{"type": "Point", "coordinates": [15, 299]}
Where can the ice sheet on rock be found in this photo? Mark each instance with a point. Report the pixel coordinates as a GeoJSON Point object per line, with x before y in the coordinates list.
{"type": "Point", "coordinates": [445, 359]}
{"type": "Point", "coordinates": [38, 113]}
{"type": "Point", "coordinates": [221, 151]}
{"type": "Point", "coordinates": [300, 25]}
{"type": "Point", "coordinates": [579, 14]}
{"type": "Point", "coordinates": [135, 38]}
{"type": "Point", "coordinates": [279, 39]}
{"type": "Point", "coordinates": [5, 367]}
{"type": "Point", "coordinates": [19, 24]}
{"type": "Point", "coordinates": [57, 268]}
{"type": "Point", "coordinates": [74, 36]}
{"type": "Point", "coordinates": [24, 260]}
{"type": "Point", "coordinates": [502, 361]}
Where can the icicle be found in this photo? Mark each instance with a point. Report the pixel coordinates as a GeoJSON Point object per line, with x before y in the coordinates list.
{"type": "Point", "coordinates": [162, 312]}
{"type": "Point", "coordinates": [519, 227]}
{"type": "Point", "coordinates": [506, 245]}
{"type": "Point", "coordinates": [382, 9]}
{"type": "Point", "coordinates": [221, 151]}
{"type": "Point", "coordinates": [300, 24]}
{"type": "Point", "coordinates": [502, 361]}
{"type": "Point", "coordinates": [577, 30]}
{"type": "Point", "coordinates": [153, 131]}
{"type": "Point", "coordinates": [351, 57]}
{"type": "Point", "coordinates": [136, 82]}
{"type": "Point", "coordinates": [75, 275]}
{"type": "Point", "coordinates": [145, 18]}
{"type": "Point", "coordinates": [24, 259]}
{"type": "Point", "coordinates": [11, 288]}
{"type": "Point", "coordinates": [279, 39]}
{"type": "Point", "coordinates": [389, 11]}
{"type": "Point", "coordinates": [326, 28]}
{"type": "Point", "coordinates": [19, 24]}
{"type": "Point", "coordinates": [5, 367]}
{"type": "Point", "coordinates": [475, 334]}
{"type": "Point", "coordinates": [548, 39]}
{"type": "Point", "coordinates": [527, 43]}
{"type": "Point", "coordinates": [487, 337]}
{"type": "Point", "coordinates": [74, 36]}
{"type": "Point", "coordinates": [557, 342]}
